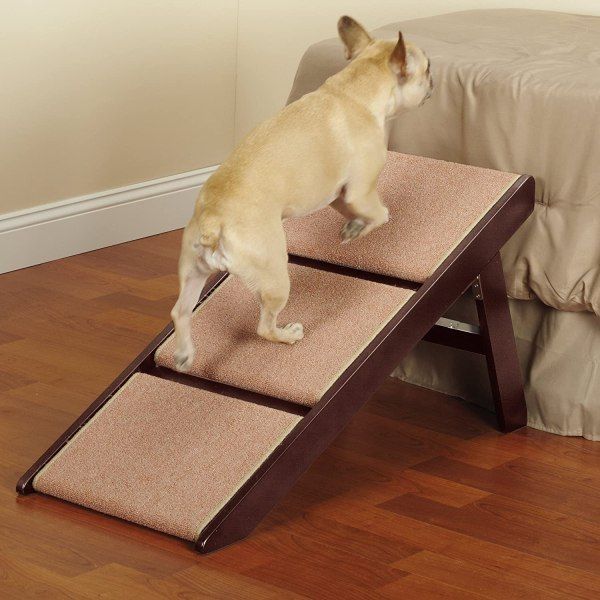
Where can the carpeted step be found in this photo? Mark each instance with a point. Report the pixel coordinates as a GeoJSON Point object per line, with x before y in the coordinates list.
{"type": "Point", "coordinates": [165, 455]}
{"type": "Point", "coordinates": [433, 205]}
{"type": "Point", "coordinates": [340, 314]}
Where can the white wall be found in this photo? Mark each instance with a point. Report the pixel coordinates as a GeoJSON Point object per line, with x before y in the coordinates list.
{"type": "Point", "coordinates": [106, 93]}
{"type": "Point", "coordinates": [273, 34]}
{"type": "Point", "coordinates": [99, 94]}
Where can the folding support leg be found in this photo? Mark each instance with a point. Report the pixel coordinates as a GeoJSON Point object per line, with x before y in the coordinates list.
{"type": "Point", "coordinates": [500, 348]}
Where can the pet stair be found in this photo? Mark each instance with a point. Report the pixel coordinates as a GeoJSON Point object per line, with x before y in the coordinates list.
{"type": "Point", "coordinates": [205, 455]}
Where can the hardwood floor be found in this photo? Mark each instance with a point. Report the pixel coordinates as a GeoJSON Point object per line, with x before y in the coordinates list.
{"type": "Point", "coordinates": [419, 498]}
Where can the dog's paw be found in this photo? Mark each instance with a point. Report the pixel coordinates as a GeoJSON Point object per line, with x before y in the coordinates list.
{"type": "Point", "coordinates": [183, 361]}
{"type": "Point", "coordinates": [292, 333]}
{"type": "Point", "coordinates": [288, 334]}
{"type": "Point", "coordinates": [352, 229]}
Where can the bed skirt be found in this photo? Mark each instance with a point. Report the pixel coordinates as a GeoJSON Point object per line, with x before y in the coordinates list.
{"type": "Point", "coordinates": [560, 357]}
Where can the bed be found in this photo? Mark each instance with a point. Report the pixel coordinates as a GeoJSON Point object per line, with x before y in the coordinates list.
{"type": "Point", "coordinates": [519, 91]}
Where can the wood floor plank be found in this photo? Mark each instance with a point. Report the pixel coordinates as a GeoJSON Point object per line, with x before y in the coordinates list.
{"type": "Point", "coordinates": [131, 584]}
{"type": "Point", "coordinates": [156, 308]}
{"type": "Point", "coordinates": [131, 260]}
{"type": "Point", "coordinates": [22, 579]}
{"type": "Point", "coordinates": [486, 581]}
{"type": "Point", "coordinates": [11, 379]}
{"type": "Point", "coordinates": [442, 489]}
{"type": "Point", "coordinates": [441, 414]}
{"type": "Point", "coordinates": [415, 587]}
{"type": "Point", "coordinates": [45, 395]}
{"type": "Point", "coordinates": [103, 544]}
{"type": "Point", "coordinates": [195, 583]}
{"type": "Point", "coordinates": [232, 586]}
{"type": "Point", "coordinates": [345, 471]}
{"type": "Point", "coordinates": [540, 572]}
{"type": "Point", "coordinates": [7, 337]}
{"type": "Point", "coordinates": [515, 524]}
{"type": "Point", "coordinates": [521, 479]}
{"type": "Point", "coordinates": [322, 572]}
{"type": "Point", "coordinates": [31, 435]}
{"type": "Point", "coordinates": [485, 455]}
{"type": "Point", "coordinates": [166, 244]}
{"type": "Point", "coordinates": [80, 279]}
{"type": "Point", "coordinates": [403, 529]}
{"type": "Point", "coordinates": [341, 536]}
{"type": "Point", "coordinates": [569, 453]}
{"type": "Point", "coordinates": [392, 442]}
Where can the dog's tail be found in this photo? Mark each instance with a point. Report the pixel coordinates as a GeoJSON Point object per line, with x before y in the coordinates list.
{"type": "Point", "coordinates": [209, 230]}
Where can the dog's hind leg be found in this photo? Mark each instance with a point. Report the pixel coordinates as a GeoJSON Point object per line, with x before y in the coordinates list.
{"type": "Point", "coordinates": [273, 290]}
{"type": "Point", "coordinates": [267, 275]}
{"type": "Point", "coordinates": [273, 293]}
{"type": "Point", "coordinates": [192, 278]}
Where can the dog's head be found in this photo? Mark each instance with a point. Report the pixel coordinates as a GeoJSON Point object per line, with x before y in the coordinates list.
{"type": "Point", "coordinates": [406, 65]}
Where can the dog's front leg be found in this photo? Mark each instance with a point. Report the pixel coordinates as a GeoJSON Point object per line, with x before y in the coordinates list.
{"type": "Point", "coordinates": [363, 210]}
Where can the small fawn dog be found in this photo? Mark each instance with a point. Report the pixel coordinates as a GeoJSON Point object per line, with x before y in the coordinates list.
{"type": "Point", "coordinates": [327, 148]}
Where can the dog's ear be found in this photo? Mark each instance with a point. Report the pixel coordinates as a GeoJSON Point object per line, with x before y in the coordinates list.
{"type": "Point", "coordinates": [398, 57]}
{"type": "Point", "coordinates": [354, 36]}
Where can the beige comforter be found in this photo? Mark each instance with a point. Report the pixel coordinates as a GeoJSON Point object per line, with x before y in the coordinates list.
{"type": "Point", "coordinates": [517, 90]}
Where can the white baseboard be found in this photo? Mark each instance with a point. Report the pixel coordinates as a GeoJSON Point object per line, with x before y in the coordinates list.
{"type": "Point", "coordinates": [85, 223]}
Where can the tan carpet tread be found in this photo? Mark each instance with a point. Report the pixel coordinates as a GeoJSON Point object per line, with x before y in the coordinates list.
{"type": "Point", "coordinates": [165, 455]}
{"type": "Point", "coordinates": [433, 205]}
{"type": "Point", "coordinates": [340, 314]}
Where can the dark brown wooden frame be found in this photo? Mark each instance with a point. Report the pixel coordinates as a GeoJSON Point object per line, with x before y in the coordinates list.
{"type": "Point", "coordinates": [475, 257]}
